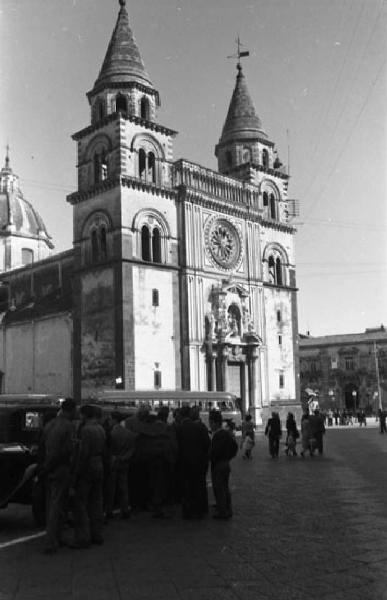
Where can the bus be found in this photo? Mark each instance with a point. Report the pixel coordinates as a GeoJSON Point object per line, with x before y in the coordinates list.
{"type": "Point", "coordinates": [173, 399]}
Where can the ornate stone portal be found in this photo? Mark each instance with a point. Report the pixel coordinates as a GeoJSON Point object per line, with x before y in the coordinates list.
{"type": "Point", "coordinates": [231, 342]}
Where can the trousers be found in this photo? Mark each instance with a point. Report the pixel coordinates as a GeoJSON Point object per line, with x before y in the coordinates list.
{"type": "Point", "coordinates": [58, 486]}
{"type": "Point", "coordinates": [88, 508]}
{"type": "Point", "coordinates": [220, 476]}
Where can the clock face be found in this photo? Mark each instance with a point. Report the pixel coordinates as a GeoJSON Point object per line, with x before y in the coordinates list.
{"type": "Point", "coordinates": [223, 243]}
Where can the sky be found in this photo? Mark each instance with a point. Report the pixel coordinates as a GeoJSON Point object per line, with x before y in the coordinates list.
{"type": "Point", "coordinates": [317, 75]}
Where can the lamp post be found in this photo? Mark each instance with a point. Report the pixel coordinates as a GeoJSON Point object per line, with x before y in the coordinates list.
{"type": "Point", "coordinates": [378, 377]}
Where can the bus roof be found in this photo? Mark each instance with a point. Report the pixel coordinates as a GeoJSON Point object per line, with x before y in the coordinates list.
{"type": "Point", "coordinates": [30, 399]}
{"type": "Point", "coordinates": [144, 395]}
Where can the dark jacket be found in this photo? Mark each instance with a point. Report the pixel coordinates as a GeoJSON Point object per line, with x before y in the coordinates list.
{"type": "Point", "coordinates": [59, 443]}
{"type": "Point", "coordinates": [273, 427]}
{"type": "Point", "coordinates": [92, 440]}
{"type": "Point", "coordinates": [153, 442]}
{"type": "Point", "coordinates": [223, 446]}
{"type": "Point", "coordinates": [193, 442]}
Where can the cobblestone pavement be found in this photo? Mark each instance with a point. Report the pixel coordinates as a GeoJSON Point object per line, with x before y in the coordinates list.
{"type": "Point", "coordinates": [303, 530]}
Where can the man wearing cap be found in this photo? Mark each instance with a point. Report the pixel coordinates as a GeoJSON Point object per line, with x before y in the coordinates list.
{"type": "Point", "coordinates": [223, 448]}
{"type": "Point", "coordinates": [121, 448]}
{"type": "Point", "coordinates": [58, 449]}
{"type": "Point", "coordinates": [88, 480]}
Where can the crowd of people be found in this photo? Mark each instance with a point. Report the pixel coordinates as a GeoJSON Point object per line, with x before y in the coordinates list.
{"type": "Point", "coordinates": [312, 432]}
{"type": "Point", "coordinates": [92, 464]}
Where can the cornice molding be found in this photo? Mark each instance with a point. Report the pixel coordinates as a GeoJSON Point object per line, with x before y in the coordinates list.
{"type": "Point", "coordinates": [118, 116]}
{"type": "Point", "coordinates": [120, 181]}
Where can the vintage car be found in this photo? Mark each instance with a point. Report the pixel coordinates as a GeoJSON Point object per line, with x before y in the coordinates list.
{"type": "Point", "coordinates": [21, 423]}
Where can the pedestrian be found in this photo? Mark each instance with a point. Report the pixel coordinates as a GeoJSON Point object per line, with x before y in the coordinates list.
{"type": "Point", "coordinates": [121, 448]}
{"type": "Point", "coordinates": [292, 435]}
{"type": "Point", "coordinates": [171, 456]}
{"type": "Point", "coordinates": [193, 453]}
{"type": "Point", "coordinates": [152, 454]}
{"type": "Point", "coordinates": [88, 481]}
{"type": "Point", "coordinates": [273, 431]}
{"type": "Point", "coordinates": [223, 448]}
{"type": "Point", "coordinates": [382, 421]}
{"type": "Point", "coordinates": [306, 435]}
{"type": "Point", "coordinates": [138, 477]}
{"type": "Point", "coordinates": [317, 428]}
{"type": "Point", "coordinates": [40, 489]}
{"type": "Point", "coordinates": [59, 447]}
{"type": "Point", "coordinates": [248, 437]}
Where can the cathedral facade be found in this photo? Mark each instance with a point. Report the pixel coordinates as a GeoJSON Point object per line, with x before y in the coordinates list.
{"type": "Point", "coordinates": [181, 277]}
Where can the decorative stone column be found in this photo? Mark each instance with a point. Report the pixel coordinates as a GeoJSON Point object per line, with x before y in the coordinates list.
{"type": "Point", "coordinates": [213, 371]}
{"type": "Point", "coordinates": [223, 367]}
{"type": "Point", "coordinates": [255, 400]}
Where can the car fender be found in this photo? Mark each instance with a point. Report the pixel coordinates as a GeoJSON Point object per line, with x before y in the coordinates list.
{"type": "Point", "coordinates": [28, 474]}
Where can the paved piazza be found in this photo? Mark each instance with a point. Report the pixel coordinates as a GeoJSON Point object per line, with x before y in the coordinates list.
{"type": "Point", "coordinates": [302, 530]}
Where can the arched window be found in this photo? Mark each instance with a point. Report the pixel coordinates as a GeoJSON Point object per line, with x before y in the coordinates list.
{"type": "Point", "coordinates": [104, 168]}
{"type": "Point", "coordinates": [246, 156]}
{"type": "Point", "coordinates": [271, 263]}
{"type": "Point", "coordinates": [103, 244]}
{"type": "Point", "coordinates": [100, 167]}
{"type": "Point", "coordinates": [27, 256]}
{"type": "Point", "coordinates": [97, 168]}
{"type": "Point", "coordinates": [145, 243]}
{"type": "Point", "coordinates": [265, 199]}
{"type": "Point", "coordinates": [121, 103]}
{"type": "Point", "coordinates": [142, 164]}
{"type": "Point", "coordinates": [156, 245]}
{"type": "Point", "coordinates": [144, 108]}
{"type": "Point", "coordinates": [272, 206]}
{"type": "Point", "coordinates": [265, 158]}
{"type": "Point", "coordinates": [147, 166]}
{"type": "Point", "coordinates": [98, 110]}
{"type": "Point", "coordinates": [151, 167]}
{"type": "Point", "coordinates": [229, 158]}
{"type": "Point", "coordinates": [278, 271]}
{"type": "Point", "coordinates": [94, 246]}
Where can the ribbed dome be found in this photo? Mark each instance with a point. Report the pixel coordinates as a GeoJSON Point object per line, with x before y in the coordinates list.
{"type": "Point", "coordinates": [123, 62]}
{"type": "Point", "coordinates": [17, 215]}
{"type": "Point", "coordinates": [242, 121]}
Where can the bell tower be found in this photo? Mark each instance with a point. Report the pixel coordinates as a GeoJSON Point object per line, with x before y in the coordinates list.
{"type": "Point", "coordinates": [126, 318]}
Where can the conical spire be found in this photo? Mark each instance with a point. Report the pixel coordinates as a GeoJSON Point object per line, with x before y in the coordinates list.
{"type": "Point", "coordinates": [242, 120]}
{"type": "Point", "coordinates": [123, 62]}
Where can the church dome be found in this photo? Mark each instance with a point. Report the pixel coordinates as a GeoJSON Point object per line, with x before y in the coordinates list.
{"type": "Point", "coordinates": [17, 215]}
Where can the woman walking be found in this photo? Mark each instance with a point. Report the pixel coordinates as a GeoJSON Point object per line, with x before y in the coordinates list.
{"type": "Point", "coordinates": [306, 435]}
{"type": "Point", "coordinates": [292, 435]}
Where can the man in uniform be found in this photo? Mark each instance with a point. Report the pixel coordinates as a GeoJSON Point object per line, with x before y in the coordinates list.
{"type": "Point", "coordinates": [59, 445]}
{"type": "Point", "coordinates": [223, 448]}
{"type": "Point", "coordinates": [88, 481]}
{"type": "Point", "coordinates": [121, 448]}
